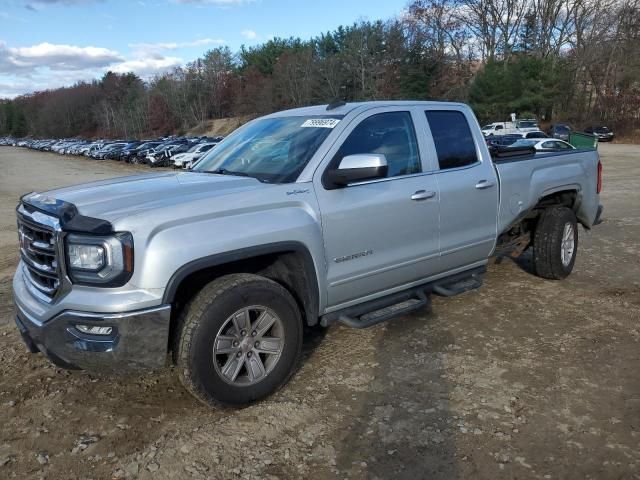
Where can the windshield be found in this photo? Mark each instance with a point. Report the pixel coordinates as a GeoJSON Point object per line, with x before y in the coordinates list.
{"type": "Point", "coordinates": [487, 127]}
{"type": "Point", "coordinates": [272, 150]}
{"type": "Point", "coordinates": [601, 129]}
{"type": "Point", "coordinates": [524, 143]}
{"type": "Point", "coordinates": [536, 135]}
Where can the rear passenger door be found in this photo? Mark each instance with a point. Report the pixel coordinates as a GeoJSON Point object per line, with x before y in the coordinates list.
{"type": "Point", "coordinates": [468, 189]}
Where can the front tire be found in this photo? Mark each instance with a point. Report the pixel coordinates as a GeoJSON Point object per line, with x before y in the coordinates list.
{"type": "Point", "coordinates": [555, 243]}
{"type": "Point", "coordinates": [239, 340]}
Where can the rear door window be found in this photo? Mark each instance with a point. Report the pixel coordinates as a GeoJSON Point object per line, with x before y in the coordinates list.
{"type": "Point", "coordinates": [452, 138]}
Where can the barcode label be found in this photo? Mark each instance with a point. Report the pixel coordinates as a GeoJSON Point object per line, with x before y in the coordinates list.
{"type": "Point", "coordinates": [320, 123]}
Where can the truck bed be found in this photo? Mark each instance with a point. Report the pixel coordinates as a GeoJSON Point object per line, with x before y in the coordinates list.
{"type": "Point", "coordinates": [525, 180]}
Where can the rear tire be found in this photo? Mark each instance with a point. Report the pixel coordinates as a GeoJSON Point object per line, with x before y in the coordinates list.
{"type": "Point", "coordinates": [239, 340]}
{"type": "Point", "coordinates": [555, 243]}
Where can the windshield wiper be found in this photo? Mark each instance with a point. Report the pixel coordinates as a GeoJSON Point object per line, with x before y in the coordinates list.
{"type": "Point", "coordinates": [224, 171]}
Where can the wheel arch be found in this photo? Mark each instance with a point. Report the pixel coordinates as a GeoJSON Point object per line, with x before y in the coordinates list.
{"type": "Point", "coordinates": [519, 235]}
{"type": "Point", "coordinates": [570, 196]}
{"type": "Point", "coordinates": [288, 263]}
{"type": "Point", "coordinates": [564, 196]}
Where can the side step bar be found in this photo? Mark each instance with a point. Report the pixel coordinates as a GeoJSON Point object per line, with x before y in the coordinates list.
{"type": "Point", "coordinates": [382, 315]}
{"type": "Point", "coordinates": [377, 311]}
{"type": "Point", "coordinates": [380, 310]}
{"type": "Point", "coordinates": [448, 287]}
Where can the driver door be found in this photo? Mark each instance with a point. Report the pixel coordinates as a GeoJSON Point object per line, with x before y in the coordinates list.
{"type": "Point", "coordinates": [380, 235]}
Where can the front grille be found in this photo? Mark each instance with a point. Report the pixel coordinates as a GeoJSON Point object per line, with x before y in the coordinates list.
{"type": "Point", "coordinates": [39, 253]}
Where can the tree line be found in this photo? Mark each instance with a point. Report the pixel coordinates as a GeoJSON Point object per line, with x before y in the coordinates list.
{"type": "Point", "coordinates": [557, 60]}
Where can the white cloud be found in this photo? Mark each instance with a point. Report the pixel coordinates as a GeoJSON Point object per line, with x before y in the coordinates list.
{"type": "Point", "coordinates": [249, 34]}
{"type": "Point", "coordinates": [147, 66]}
{"type": "Point", "coordinates": [13, 89]}
{"type": "Point", "coordinates": [24, 60]}
{"type": "Point", "coordinates": [154, 47]}
{"type": "Point", "coordinates": [47, 65]}
{"type": "Point", "coordinates": [12, 86]}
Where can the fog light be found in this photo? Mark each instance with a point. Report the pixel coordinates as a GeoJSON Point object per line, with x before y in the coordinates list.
{"type": "Point", "coordinates": [94, 330]}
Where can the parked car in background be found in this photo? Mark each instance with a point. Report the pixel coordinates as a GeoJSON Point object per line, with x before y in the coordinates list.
{"type": "Point", "coordinates": [160, 156]}
{"type": "Point", "coordinates": [561, 131]}
{"type": "Point", "coordinates": [494, 128]}
{"type": "Point", "coordinates": [535, 134]}
{"type": "Point", "coordinates": [508, 128]}
{"type": "Point", "coordinates": [140, 154]}
{"type": "Point", "coordinates": [182, 151]}
{"type": "Point", "coordinates": [114, 153]}
{"type": "Point", "coordinates": [126, 152]}
{"type": "Point", "coordinates": [103, 152]}
{"type": "Point", "coordinates": [527, 125]}
{"type": "Point", "coordinates": [603, 133]}
{"type": "Point", "coordinates": [502, 140]}
{"type": "Point", "coordinates": [544, 144]}
{"type": "Point", "coordinates": [188, 158]}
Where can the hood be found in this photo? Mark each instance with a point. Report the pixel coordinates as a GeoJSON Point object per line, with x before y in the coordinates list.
{"type": "Point", "coordinates": [126, 196]}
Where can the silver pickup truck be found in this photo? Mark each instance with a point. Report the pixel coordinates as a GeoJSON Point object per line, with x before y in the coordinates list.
{"type": "Point", "coordinates": [350, 213]}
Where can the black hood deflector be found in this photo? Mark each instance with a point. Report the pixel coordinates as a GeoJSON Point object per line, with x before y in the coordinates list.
{"type": "Point", "coordinates": [70, 219]}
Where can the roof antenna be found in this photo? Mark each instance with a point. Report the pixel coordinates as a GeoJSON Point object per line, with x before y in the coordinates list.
{"type": "Point", "coordinates": [335, 104]}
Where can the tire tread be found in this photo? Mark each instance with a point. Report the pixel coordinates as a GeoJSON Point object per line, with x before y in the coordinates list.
{"type": "Point", "coordinates": [547, 242]}
{"type": "Point", "coordinates": [190, 319]}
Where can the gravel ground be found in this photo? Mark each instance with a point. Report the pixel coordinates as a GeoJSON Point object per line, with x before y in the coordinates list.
{"type": "Point", "coordinates": [525, 378]}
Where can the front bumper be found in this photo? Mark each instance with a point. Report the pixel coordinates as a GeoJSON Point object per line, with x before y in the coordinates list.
{"type": "Point", "coordinates": [139, 340]}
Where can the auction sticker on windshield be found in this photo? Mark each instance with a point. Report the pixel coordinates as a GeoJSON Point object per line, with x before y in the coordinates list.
{"type": "Point", "coordinates": [320, 123]}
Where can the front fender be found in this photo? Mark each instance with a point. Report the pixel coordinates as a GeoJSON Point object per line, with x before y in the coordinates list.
{"type": "Point", "coordinates": [168, 251]}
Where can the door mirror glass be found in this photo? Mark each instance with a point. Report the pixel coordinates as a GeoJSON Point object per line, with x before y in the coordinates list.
{"type": "Point", "coordinates": [357, 168]}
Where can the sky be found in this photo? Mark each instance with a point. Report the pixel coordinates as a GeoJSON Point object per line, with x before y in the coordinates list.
{"type": "Point", "coordinates": [52, 43]}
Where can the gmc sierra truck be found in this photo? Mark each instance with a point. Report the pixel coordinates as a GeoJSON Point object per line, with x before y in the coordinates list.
{"type": "Point", "coordinates": [351, 213]}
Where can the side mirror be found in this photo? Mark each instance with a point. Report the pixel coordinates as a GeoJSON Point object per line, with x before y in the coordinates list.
{"type": "Point", "coordinates": [356, 168]}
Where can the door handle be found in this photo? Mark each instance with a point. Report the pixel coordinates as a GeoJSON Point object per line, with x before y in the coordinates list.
{"type": "Point", "coordinates": [482, 184]}
{"type": "Point", "coordinates": [423, 195]}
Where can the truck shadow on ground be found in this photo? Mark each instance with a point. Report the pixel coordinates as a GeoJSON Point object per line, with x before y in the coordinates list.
{"type": "Point", "coordinates": [524, 261]}
{"type": "Point", "coordinates": [401, 426]}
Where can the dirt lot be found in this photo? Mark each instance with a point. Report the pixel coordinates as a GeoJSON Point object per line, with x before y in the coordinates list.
{"type": "Point", "coordinates": [525, 378]}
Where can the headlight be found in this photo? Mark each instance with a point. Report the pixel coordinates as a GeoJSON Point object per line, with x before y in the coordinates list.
{"type": "Point", "coordinates": [105, 261]}
{"type": "Point", "coordinates": [86, 257]}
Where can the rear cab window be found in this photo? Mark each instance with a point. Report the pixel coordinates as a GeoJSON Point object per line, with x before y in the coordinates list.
{"type": "Point", "coordinates": [452, 139]}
